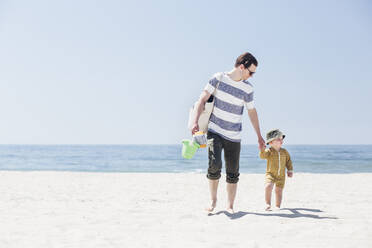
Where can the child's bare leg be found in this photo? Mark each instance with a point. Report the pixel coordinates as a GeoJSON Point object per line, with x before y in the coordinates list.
{"type": "Point", "coordinates": [268, 190]}
{"type": "Point", "coordinates": [213, 185]}
{"type": "Point", "coordinates": [278, 196]}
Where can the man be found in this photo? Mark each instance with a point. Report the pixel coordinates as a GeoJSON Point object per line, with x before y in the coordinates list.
{"type": "Point", "coordinates": [232, 92]}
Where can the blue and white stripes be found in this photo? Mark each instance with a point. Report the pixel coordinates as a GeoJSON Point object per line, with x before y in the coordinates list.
{"type": "Point", "coordinates": [230, 98]}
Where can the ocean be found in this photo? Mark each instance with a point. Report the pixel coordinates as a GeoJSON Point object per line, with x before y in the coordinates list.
{"type": "Point", "coordinates": [167, 158]}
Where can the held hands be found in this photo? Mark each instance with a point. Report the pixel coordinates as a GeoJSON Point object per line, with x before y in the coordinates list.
{"type": "Point", "coordinates": [289, 173]}
{"type": "Point", "coordinates": [261, 143]}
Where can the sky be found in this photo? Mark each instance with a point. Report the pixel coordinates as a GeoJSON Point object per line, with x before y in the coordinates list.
{"type": "Point", "coordinates": [127, 72]}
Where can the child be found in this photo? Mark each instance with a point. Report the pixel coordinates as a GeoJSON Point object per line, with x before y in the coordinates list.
{"type": "Point", "coordinates": [277, 160]}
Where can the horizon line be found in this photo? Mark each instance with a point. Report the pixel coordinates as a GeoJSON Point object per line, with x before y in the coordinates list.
{"type": "Point", "coordinates": [149, 144]}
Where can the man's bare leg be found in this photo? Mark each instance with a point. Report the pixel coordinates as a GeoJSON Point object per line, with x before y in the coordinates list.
{"type": "Point", "coordinates": [213, 186]}
{"type": "Point", "coordinates": [278, 196]}
{"type": "Point", "coordinates": [231, 193]}
{"type": "Point", "coordinates": [268, 191]}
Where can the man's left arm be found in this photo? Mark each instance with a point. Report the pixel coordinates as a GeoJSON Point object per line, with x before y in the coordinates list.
{"type": "Point", "coordinates": [252, 113]}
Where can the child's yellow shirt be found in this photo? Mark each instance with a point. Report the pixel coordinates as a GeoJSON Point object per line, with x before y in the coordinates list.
{"type": "Point", "coordinates": [277, 161]}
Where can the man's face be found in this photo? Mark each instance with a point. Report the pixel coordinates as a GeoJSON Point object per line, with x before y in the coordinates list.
{"type": "Point", "coordinates": [247, 72]}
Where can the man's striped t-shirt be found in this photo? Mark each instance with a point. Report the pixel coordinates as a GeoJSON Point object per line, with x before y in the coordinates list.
{"type": "Point", "coordinates": [229, 101]}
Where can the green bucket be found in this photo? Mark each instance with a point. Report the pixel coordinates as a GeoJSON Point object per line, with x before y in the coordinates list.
{"type": "Point", "coordinates": [189, 148]}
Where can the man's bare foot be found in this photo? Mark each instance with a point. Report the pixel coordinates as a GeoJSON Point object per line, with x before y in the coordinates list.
{"type": "Point", "coordinates": [230, 210]}
{"type": "Point", "coordinates": [212, 207]}
{"type": "Point", "coordinates": [268, 207]}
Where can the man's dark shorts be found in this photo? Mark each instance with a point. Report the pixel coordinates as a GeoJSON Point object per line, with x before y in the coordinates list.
{"type": "Point", "coordinates": [216, 144]}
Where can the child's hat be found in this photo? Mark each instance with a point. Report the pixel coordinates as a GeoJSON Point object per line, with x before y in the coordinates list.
{"type": "Point", "coordinates": [274, 134]}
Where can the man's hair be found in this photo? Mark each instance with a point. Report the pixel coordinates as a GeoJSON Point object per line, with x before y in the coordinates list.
{"type": "Point", "coordinates": [246, 59]}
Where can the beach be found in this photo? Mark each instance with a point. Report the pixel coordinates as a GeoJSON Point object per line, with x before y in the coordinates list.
{"type": "Point", "coordinates": [81, 209]}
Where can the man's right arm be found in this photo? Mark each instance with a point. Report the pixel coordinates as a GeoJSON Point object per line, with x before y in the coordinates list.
{"type": "Point", "coordinates": [199, 109]}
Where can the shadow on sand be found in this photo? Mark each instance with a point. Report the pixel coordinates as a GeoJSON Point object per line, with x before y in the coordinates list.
{"type": "Point", "coordinates": [294, 214]}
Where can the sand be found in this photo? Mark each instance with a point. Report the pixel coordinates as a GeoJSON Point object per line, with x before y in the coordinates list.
{"type": "Point", "coordinates": [79, 209]}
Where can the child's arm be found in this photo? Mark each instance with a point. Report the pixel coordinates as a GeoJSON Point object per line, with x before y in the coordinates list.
{"type": "Point", "coordinates": [289, 166]}
{"type": "Point", "coordinates": [264, 153]}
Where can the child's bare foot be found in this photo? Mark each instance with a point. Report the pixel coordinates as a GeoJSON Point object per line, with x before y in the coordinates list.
{"type": "Point", "coordinates": [230, 210]}
{"type": "Point", "coordinates": [277, 208]}
{"type": "Point", "coordinates": [268, 207]}
{"type": "Point", "coordinates": [212, 207]}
